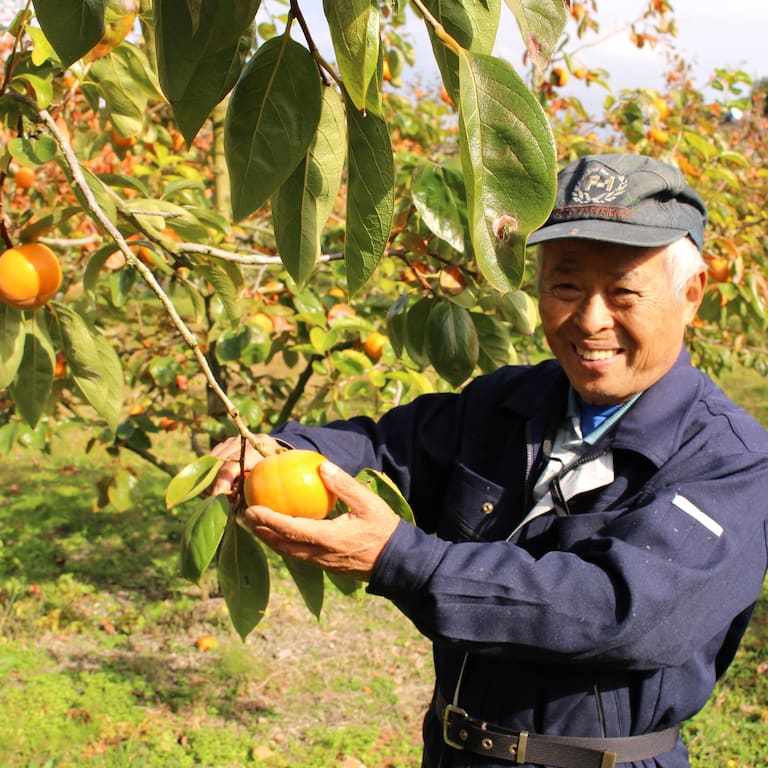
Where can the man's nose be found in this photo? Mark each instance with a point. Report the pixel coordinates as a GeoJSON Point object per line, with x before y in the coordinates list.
{"type": "Point", "coordinates": [594, 314]}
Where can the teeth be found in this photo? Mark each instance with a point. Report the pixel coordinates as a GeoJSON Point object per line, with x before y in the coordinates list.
{"type": "Point", "coordinates": [595, 354]}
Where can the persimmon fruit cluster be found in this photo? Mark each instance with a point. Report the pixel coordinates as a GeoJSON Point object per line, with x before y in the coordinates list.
{"type": "Point", "coordinates": [289, 482]}
{"type": "Point", "coordinates": [30, 274]}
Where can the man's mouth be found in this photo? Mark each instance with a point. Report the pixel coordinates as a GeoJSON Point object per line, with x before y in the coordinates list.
{"type": "Point", "coordinates": [596, 354]}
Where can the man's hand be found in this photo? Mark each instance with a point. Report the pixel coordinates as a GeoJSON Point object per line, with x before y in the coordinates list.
{"type": "Point", "coordinates": [229, 450]}
{"type": "Point", "coordinates": [348, 545]}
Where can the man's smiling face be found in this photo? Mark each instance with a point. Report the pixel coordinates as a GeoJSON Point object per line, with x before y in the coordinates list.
{"type": "Point", "coordinates": [610, 315]}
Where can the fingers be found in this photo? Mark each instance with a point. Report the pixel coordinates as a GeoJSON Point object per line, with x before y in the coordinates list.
{"type": "Point", "coordinates": [229, 452]}
{"type": "Point", "coordinates": [354, 494]}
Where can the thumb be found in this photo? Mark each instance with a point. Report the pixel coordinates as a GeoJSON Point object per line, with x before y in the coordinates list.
{"type": "Point", "coordinates": [355, 495]}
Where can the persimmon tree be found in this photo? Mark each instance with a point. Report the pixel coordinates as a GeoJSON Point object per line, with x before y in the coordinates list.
{"type": "Point", "coordinates": [241, 219]}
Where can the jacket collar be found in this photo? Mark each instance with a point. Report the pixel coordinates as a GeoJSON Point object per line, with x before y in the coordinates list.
{"type": "Point", "coordinates": [650, 427]}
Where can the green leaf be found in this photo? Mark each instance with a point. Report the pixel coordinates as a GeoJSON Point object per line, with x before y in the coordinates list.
{"type": "Point", "coordinates": [370, 196]}
{"type": "Point", "coordinates": [32, 152]}
{"type": "Point", "coordinates": [12, 335]}
{"type": "Point", "coordinates": [202, 536]}
{"type": "Point", "coordinates": [102, 195]}
{"type": "Point", "coordinates": [192, 480]}
{"type": "Point", "coordinates": [72, 27]}
{"type": "Point", "coordinates": [119, 491]}
{"type": "Point", "coordinates": [451, 342]}
{"type": "Point", "coordinates": [304, 202]}
{"type": "Point", "coordinates": [355, 27]}
{"type": "Point", "coordinates": [32, 386]}
{"type": "Point", "coordinates": [345, 585]}
{"type": "Point", "coordinates": [385, 489]}
{"type": "Point", "coordinates": [272, 117]}
{"type": "Point", "coordinates": [493, 339]}
{"type": "Point", "coordinates": [244, 578]}
{"type": "Point", "coordinates": [518, 308]}
{"type": "Point", "coordinates": [510, 165]}
{"type": "Point", "coordinates": [473, 24]}
{"type": "Point", "coordinates": [438, 194]}
{"type": "Point", "coordinates": [310, 581]}
{"type": "Point", "coordinates": [541, 23]}
{"type": "Point", "coordinates": [397, 320]}
{"type": "Point", "coordinates": [201, 51]}
{"type": "Point", "coordinates": [225, 287]}
{"type": "Point", "coordinates": [416, 331]}
{"type": "Point", "coordinates": [125, 83]}
{"type": "Point", "coordinates": [94, 364]}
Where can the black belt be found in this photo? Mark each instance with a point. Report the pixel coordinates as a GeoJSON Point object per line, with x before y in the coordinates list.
{"type": "Point", "coordinates": [461, 731]}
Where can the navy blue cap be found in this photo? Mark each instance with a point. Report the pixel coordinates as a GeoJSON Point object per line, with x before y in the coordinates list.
{"type": "Point", "coordinates": [626, 199]}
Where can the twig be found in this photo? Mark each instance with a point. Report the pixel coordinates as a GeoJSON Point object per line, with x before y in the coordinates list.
{"type": "Point", "coordinates": [95, 210]}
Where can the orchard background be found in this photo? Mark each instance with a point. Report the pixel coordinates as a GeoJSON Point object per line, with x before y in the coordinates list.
{"type": "Point", "coordinates": [252, 231]}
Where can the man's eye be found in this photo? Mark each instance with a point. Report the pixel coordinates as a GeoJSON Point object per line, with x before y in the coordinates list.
{"type": "Point", "coordinates": [624, 295]}
{"type": "Point", "coordinates": [565, 289]}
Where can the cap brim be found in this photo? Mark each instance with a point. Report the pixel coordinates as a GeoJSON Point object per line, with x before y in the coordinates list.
{"type": "Point", "coordinates": [608, 232]}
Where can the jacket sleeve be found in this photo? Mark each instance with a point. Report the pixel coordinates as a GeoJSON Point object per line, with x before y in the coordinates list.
{"type": "Point", "coordinates": [413, 444]}
{"type": "Point", "coordinates": [641, 588]}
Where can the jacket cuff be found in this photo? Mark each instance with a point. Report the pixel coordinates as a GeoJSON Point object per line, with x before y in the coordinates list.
{"type": "Point", "coordinates": [407, 561]}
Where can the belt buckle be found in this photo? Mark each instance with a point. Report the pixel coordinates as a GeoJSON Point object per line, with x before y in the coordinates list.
{"type": "Point", "coordinates": [449, 710]}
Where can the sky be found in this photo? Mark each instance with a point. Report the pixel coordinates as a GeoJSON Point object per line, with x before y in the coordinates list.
{"type": "Point", "coordinates": [712, 34]}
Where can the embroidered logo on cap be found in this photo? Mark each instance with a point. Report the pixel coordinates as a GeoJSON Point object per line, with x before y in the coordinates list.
{"type": "Point", "coordinates": [599, 185]}
{"type": "Point", "coordinates": [592, 195]}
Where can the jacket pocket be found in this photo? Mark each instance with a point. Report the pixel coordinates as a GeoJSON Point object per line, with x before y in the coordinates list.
{"type": "Point", "coordinates": [472, 506]}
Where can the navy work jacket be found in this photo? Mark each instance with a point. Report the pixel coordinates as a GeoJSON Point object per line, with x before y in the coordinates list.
{"type": "Point", "coordinates": [613, 620]}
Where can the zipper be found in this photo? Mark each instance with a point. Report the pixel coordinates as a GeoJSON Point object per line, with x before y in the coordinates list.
{"type": "Point", "coordinates": [561, 503]}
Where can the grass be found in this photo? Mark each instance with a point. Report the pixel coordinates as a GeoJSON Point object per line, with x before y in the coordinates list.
{"type": "Point", "coordinates": [100, 666]}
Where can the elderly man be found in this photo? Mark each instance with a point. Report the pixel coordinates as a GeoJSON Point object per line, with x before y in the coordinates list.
{"type": "Point", "coordinates": [591, 531]}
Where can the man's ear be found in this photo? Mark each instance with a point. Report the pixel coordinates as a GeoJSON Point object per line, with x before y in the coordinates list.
{"type": "Point", "coordinates": [694, 295]}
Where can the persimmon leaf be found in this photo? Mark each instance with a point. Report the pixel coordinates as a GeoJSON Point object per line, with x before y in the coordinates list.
{"type": "Point", "coordinates": [272, 117]}
{"type": "Point", "coordinates": [510, 165]}
{"type": "Point", "coordinates": [192, 480]}
{"type": "Point", "coordinates": [243, 577]}
{"type": "Point", "coordinates": [202, 536]}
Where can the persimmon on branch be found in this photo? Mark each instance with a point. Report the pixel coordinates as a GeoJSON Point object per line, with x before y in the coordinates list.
{"type": "Point", "coordinates": [97, 213]}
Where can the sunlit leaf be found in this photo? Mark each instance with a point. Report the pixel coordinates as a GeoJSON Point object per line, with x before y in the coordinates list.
{"type": "Point", "coordinates": [12, 334]}
{"type": "Point", "coordinates": [385, 488]}
{"type": "Point", "coordinates": [126, 83]}
{"type": "Point", "coordinates": [473, 24]}
{"type": "Point", "coordinates": [202, 536]}
{"type": "Point", "coordinates": [120, 490]}
{"type": "Point", "coordinates": [272, 117]}
{"type": "Point", "coordinates": [370, 195]}
{"type": "Point", "coordinates": [192, 480]}
{"type": "Point", "coordinates": [34, 378]}
{"type": "Point", "coordinates": [355, 27]}
{"type": "Point", "coordinates": [94, 364]}
{"type": "Point", "coordinates": [541, 23]}
{"type": "Point", "coordinates": [509, 161]}
{"type": "Point", "coordinates": [521, 310]}
{"type": "Point", "coordinates": [243, 577]}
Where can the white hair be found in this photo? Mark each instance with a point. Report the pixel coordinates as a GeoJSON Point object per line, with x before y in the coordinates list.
{"type": "Point", "coordinates": [682, 261]}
